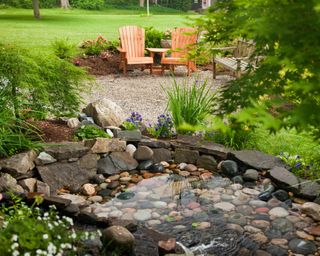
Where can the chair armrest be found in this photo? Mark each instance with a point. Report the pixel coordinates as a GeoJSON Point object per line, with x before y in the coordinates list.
{"type": "Point", "coordinates": [121, 50]}
{"type": "Point", "coordinates": [224, 48]}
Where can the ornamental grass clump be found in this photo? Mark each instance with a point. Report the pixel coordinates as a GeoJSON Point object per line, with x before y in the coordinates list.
{"type": "Point", "coordinates": [190, 104]}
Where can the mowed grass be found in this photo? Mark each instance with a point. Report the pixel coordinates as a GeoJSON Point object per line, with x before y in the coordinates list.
{"type": "Point", "coordinates": [18, 26]}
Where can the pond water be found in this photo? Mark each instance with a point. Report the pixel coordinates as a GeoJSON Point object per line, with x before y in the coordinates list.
{"type": "Point", "coordinates": [207, 217]}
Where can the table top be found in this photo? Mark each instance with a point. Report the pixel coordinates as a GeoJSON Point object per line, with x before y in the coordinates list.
{"type": "Point", "coordinates": [158, 49]}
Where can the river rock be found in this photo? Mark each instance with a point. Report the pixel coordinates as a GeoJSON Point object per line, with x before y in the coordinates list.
{"type": "Point", "coordinates": [229, 168]}
{"type": "Point", "coordinates": [186, 156]}
{"type": "Point", "coordinates": [207, 162]}
{"type": "Point", "coordinates": [88, 189]}
{"type": "Point", "coordinates": [225, 206]}
{"type": "Point", "coordinates": [105, 145]}
{"type": "Point", "coordinates": [44, 158]}
{"type": "Point", "coordinates": [105, 113]}
{"type": "Point", "coordinates": [71, 175]}
{"type": "Point", "coordinates": [282, 225]}
{"type": "Point", "coordinates": [281, 195]}
{"type": "Point", "coordinates": [167, 246]}
{"type": "Point", "coordinates": [118, 237]}
{"type": "Point", "coordinates": [143, 153]}
{"type": "Point", "coordinates": [277, 250]}
{"type": "Point", "coordinates": [251, 175]}
{"type": "Point", "coordinates": [123, 161]}
{"type": "Point", "coordinates": [312, 210]}
{"type": "Point", "coordinates": [256, 159]}
{"type": "Point", "coordinates": [304, 247]}
{"type": "Point", "coordinates": [131, 149]}
{"type": "Point", "coordinates": [19, 164]}
{"type": "Point", "coordinates": [142, 215]}
{"type": "Point", "coordinates": [278, 212]}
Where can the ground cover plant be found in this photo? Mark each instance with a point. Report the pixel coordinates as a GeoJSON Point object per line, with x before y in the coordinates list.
{"type": "Point", "coordinates": [19, 26]}
{"type": "Point", "coordinates": [28, 230]}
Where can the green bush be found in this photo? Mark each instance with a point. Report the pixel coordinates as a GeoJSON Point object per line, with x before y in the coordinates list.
{"type": "Point", "coordinates": [284, 90]}
{"type": "Point", "coordinates": [63, 49]}
{"type": "Point", "coordinates": [190, 104]}
{"type": "Point", "coordinates": [90, 132]}
{"type": "Point", "coordinates": [27, 4]}
{"type": "Point", "coordinates": [88, 4]}
{"type": "Point", "coordinates": [183, 5]}
{"type": "Point", "coordinates": [153, 37]}
{"type": "Point", "coordinates": [39, 85]}
{"type": "Point", "coordinates": [30, 231]}
{"type": "Point", "coordinates": [97, 46]}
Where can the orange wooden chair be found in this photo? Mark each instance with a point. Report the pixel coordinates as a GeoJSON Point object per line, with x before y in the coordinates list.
{"type": "Point", "coordinates": [182, 40]}
{"type": "Point", "coordinates": [132, 49]}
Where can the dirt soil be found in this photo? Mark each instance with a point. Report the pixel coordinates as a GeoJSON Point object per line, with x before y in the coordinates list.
{"type": "Point", "coordinates": [54, 131]}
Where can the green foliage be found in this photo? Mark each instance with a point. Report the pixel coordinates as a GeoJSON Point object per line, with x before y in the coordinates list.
{"type": "Point", "coordinates": [88, 4]}
{"type": "Point", "coordinates": [163, 128]}
{"type": "Point", "coordinates": [16, 135]}
{"type": "Point", "coordinates": [183, 5]}
{"type": "Point", "coordinates": [90, 132]}
{"type": "Point", "coordinates": [29, 231]}
{"type": "Point", "coordinates": [190, 104]}
{"type": "Point", "coordinates": [39, 84]}
{"type": "Point", "coordinates": [97, 46]}
{"type": "Point", "coordinates": [63, 49]}
{"type": "Point", "coordinates": [28, 3]}
{"type": "Point", "coordinates": [284, 90]}
{"type": "Point", "coordinates": [133, 122]}
{"type": "Point", "coordinates": [153, 37]}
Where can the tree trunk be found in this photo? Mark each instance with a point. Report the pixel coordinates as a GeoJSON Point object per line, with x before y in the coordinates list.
{"type": "Point", "coordinates": [36, 9]}
{"type": "Point", "coordinates": [65, 4]}
{"type": "Point", "coordinates": [141, 3]}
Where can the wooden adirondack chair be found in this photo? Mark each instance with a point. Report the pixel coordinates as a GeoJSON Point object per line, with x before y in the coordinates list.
{"type": "Point", "coordinates": [241, 59]}
{"type": "Point", "coordinates": [132, 49]}
{"type": "Point", "coordinates": [182, 38]}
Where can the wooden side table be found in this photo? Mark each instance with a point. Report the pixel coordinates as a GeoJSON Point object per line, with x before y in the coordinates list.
{"type": "Point", "coordinates": [154, 51]}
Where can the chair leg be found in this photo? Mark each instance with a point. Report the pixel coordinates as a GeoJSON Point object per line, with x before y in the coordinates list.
{"type": "Point", "coordinates": [162, 69]}
{"type": "Point", "coordinates": [214, 69]}
{"type": "Point", "coordinates": [151, 70]}
{"type": "Point", "coordinates": [125, 68]}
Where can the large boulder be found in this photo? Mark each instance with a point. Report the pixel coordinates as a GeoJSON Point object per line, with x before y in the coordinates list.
{"type": "Point", "coordinates": [105, 113]}
{"type": "Point", "coordinates": [117, 237]}
{"type": "Point", "coordinates": [255, 159]}
{"type": "Point", "coordinates": [207, 162]}
{"type": "Point", "coordinates": [69, 175]}
{"type": "Point", "coordinates": [8, 183]}
{"type": "Point", "coordinates": [67, 150]}
{"type": "Point", "coordinates": [19, 165]}
{"type": "Point", "coordinates": [161, 154]}
{"type": "Point", "coordinates": [283, 178]}
{"type": "Point", "coordinates": [186, 156]}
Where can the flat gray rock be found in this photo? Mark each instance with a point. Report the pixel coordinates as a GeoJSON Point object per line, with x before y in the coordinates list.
{"type": "Point", "coordinates": [66, 150]}
{"type": "Point", "coordinates": [69, 175]}
{"type": "Point", "coordinates": [284, 179]}
{"type": "Point", "coordinates": [256, 159]}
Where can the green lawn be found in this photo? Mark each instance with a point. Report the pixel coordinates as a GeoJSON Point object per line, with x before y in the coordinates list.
{"type": "Point", "coordinates": [18, 25]}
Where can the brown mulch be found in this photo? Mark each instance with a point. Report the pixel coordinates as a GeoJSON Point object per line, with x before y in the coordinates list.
{"type": "Point", "coordinates": [54, 130]}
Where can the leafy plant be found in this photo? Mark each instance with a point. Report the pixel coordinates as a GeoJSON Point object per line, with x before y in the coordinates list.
{"type": "Point", "coordinates": [190, 104]}
{"type": "Point", "coordinates": [97, 46]}
{"type": "Point", "coordinates": [90, 132]}
{"type": "Point", "coordinates": [163, 128]}
{"type": "Point", "coordinates": [284, 88]}
{"type": "Point", "coordinates": [30, 231]}
{"type": "Point", "coordinates": [63, 49]}
{"type": "Point", "coordinates": [133, 122]}
{"type": "Point", "coordinates": [153, 37]}
{"type": "Point", "coordinates": [88, 4]}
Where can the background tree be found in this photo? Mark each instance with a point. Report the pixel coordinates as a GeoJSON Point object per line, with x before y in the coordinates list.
{"type": "Point", "coordinates": [65, 4]}
{"type": "Point", "coordinates": [36, 9]}
{"type": "Point", "coordinates": [285, 90]}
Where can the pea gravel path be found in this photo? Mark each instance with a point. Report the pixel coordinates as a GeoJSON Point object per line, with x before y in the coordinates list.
{"type": "Point", "coordinates": [142, 92]}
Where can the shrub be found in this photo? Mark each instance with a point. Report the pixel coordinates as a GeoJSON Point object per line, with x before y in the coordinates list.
{"type": "Point", "coordinates": [90, 132]}
{"type": "Point", "coordinates": [133, 122]}
{"type": "Point", "coordinates": [29, 231]}
{"type": "Point", "coordinates": [39, 84]}
{"type": "Point", "coordinates": [183, 5]}
{"type": "Point", "coordinates": [97, 46]}
{"type": "Point", "coordinates": [88, 4]}
{"type": "Point", "coordinates": [153, 37]}
{"type": "Point", "coordinates": [163, 128]}
{"type": "Point", "coordinates": [190, 104]}
{"type": "Point", "coordinates": [28, 4]}
{"type": "Point", "coordinates": [63, 49]}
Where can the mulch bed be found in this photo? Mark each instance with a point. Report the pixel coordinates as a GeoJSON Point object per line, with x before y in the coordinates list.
{"type": "Point", "coordinates": [54, 130]}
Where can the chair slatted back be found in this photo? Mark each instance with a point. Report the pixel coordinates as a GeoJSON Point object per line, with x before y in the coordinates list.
{"type": "Point", "coordinates": [244, 48]}
{"type": "Point", "coordinates": [132, 40]}
{"type": "Point", "coordinates": [181, 39]}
